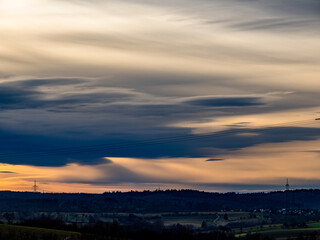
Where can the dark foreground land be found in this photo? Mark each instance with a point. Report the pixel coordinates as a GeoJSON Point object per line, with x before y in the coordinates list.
{"type": "Point", "coordinates": [171, 214]}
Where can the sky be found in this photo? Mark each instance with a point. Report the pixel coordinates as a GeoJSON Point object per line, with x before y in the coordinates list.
{"type": "Point", "coordinates": [213, 95]}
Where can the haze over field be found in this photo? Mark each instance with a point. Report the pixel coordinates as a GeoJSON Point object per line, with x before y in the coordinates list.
{"type": "Point", "coordinates": [116, 95]}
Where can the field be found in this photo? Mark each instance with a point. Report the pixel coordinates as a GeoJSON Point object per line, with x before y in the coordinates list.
{"type": "Point", "coordinates": [168, 218]}
{"type": "Point", "coordinates": [213, 219]}
{"type": "Point", "coordinates": [259, 223]}
{"type": "Point", "coordinates": [278, 232]}
{"type": "Point", "coordinates": [21, 232]}
{"type": "Point", "coordinates": [239, 223]}
{"type": "Point", "coordinates": [185, 218]}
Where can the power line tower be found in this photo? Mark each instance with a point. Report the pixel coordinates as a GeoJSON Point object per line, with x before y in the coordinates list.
{"type": "Point", "coordinates": [287, 192]}
{"type": "Point", "coordinates": [35, 186]}
{"type": "Point", "coordinates": [287, 185]}
{"type": "Point", "coordinates": [293, 199]}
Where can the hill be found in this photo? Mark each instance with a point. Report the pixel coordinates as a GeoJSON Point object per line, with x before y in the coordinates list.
{"type": "Point", "coordinates": [157, 201]}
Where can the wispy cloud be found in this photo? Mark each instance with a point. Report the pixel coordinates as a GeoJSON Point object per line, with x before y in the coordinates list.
{"type": "Point", "coordinates": [215, 160]}
{"type": "Point", "coordinates": [7, 172]}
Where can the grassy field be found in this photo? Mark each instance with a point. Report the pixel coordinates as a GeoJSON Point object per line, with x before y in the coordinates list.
{"type": "Point", "coordinates": [187, 218]}
{"type": "Point", "coordinates": [289, 233]}
{"type": "Point", "coordinates": [279, 233]}
{"type": "Point", "coordinates": [17, 232]}
{"type": "Point", "coordinates": [169, 218]}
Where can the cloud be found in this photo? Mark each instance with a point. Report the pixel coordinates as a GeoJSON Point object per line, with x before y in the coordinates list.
{"type": "Point", "coordinates": [105, 174]}
{"type": "Point", "coordinates": [12, 96]}
{"type": "Point", "coordinates": [90, 161]}
{"type": "Point", "coordinates": [259, 167]}
{"type": "Point", "coordinates": [230, 70]}
{"type": "Point", "coordinates": [215, 160]}
{"type": "Point", "coordinates": [44, 93]}
{"type": "Point", "coordinates": [227, 101]}
{"type": "Point", "coordinates": [7, 172]}
{"type": "Point", "coordinates": [54, 122]}
{"type": "Point", "coordinates": [51, 151]}
{"type": "Point", "coordinates": [32, 83]}
{"type": "Point", "coordinates": [275, 24]}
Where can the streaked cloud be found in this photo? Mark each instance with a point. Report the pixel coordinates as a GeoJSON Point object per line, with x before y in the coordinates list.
{"type": "Point", "coordinates": [215, 159]}
{"type": "Point", "coordinates": [6, 172]}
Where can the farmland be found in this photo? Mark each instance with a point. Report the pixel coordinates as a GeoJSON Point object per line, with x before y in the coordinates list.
{"type": "Point", "coordinates": [21, 232]}
{"type": "Point", "coordinates": [241, 225]}
{"type": "Point", "coordinates": [277, 232]}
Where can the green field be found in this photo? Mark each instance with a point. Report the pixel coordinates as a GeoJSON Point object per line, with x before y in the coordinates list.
{"type": "Point", "coordinates": [186, 218]}
{"type": "Point", "coordinates": [279, 233]}
{"type": "Point", "coordinates": [21, 232]}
